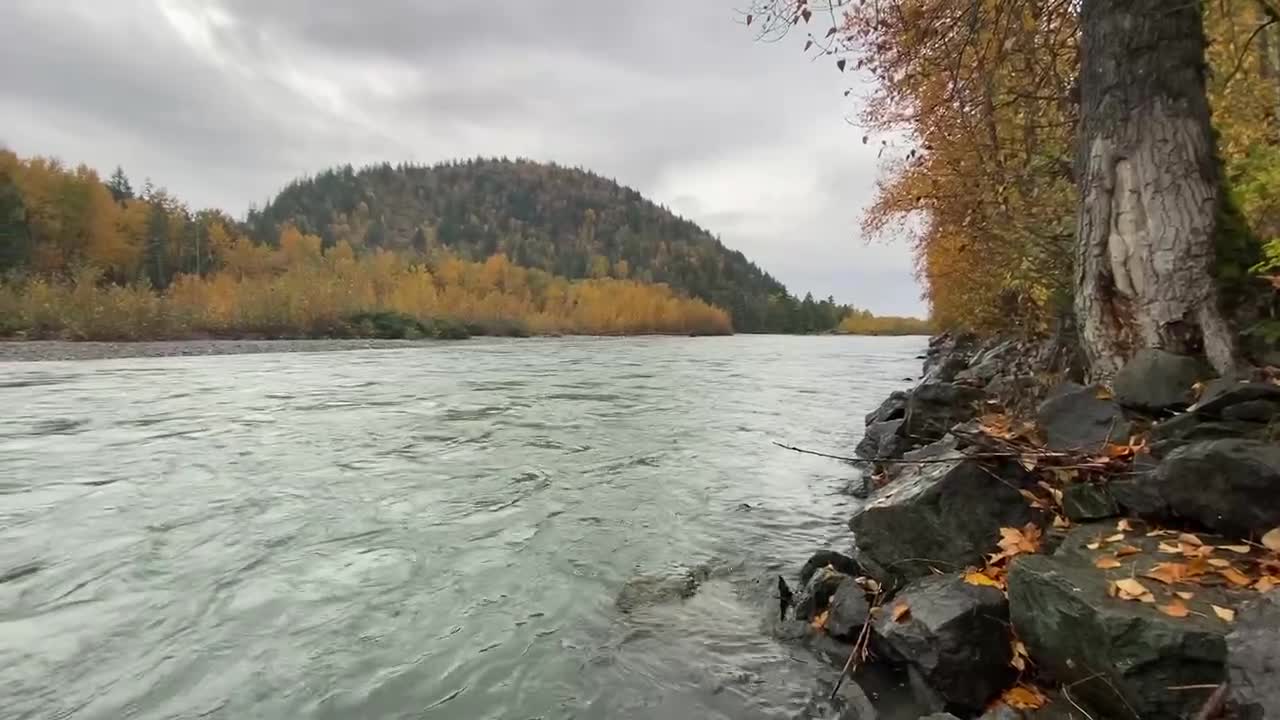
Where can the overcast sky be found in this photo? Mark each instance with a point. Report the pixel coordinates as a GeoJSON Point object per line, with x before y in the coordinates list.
{"type": "Point", "coordinates": [224, 101]}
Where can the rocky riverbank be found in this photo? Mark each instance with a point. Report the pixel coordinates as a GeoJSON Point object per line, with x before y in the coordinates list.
{"type": "Point", "coordinates": [1032, 547]}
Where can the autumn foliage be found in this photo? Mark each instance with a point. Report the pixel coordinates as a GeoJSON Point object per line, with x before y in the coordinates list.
{"type": "Point", "coordinates": [974, 107]}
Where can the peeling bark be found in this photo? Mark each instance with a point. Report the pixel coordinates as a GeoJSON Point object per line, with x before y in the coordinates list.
{"type": "Point", "coordinates": [1149, 188]}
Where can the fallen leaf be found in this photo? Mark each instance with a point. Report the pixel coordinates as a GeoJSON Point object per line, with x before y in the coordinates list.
{"type": "Point", "coordinates": [1061, 522]}
{"type": "Point", "coordinates": [1054, 492]}
{"type": "Point", "coordinates": [900, 612]}
{"type": "Point", "coordinates": [980, 579]}
{"type": "Point", "coordinates": [1107, 562]}
{"type": "Point", "coordinates": [1235, 577]}
{"type": "Point", "coordinates": [1237, 549]}
{"type": "Point", "coordinates": [1185, 595]}
{"type": "Point", "coordinates": [1130, 589]}
{"type": "Point", "coordinates": [1266, 584]}
{"type": "Point", "coordinates": [1019, 654]}
{"type": "Point", "coordinates": [1147, 598]}
{"type": "Point", "coordinates": [1124, 525]}
{"type": "Point", "coordinates": [1169, 548]}
{"type": "Point", "coordinates": [1112, 590]}
{"type": "Point", "coordinates": [1095, 544]}
{"type": "Point", "coordinates": [1175, 609]}
{"type": "Point", "coordinates": [1034, 500]}
{"type": "Point", "coordinates": [1190, 539]}
{"type": "Point", "coordinates": [1124, 550]}
{"type": "Point", "coordinates": [1024, 697]}
{"type": "Point", "coordinates": [1114, 538]}
{"type": "Point", "coordinates": [1271, 540]}
{"type": "Point", "coordinates": [1104, 394]}
{"type": "Point", "coordinates": [1226, 614]}
{"type": "Point", "coordinates": [1167, 573]}
{"type": "Point", "coordinates": [820, 622]}
{"type": "Point", "coordinates": [1219, 562]}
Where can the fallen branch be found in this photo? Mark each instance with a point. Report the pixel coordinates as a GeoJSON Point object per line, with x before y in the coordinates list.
{"type": "Point", "coordinates": [1214, 704]}
{"type": "Point", "coordinates": [860, 647]}
{"type": "Point", "coordinates": [902, 461]}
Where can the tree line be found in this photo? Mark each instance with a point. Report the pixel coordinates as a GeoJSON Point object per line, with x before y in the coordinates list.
{"type": "Point", "coordinates": [91, 259]}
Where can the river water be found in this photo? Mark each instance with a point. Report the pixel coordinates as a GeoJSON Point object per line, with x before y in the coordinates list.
{"type": "Point", "coordinates": [443, 531]}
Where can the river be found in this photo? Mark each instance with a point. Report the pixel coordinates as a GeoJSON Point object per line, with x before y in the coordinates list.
{"type": "Point", "coordinates": [441, 531]}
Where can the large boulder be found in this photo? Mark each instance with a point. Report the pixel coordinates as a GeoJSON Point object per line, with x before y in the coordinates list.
{"type": "Point", "coordinates": [955, 635]}
{"type": "Point", "coordinates": [1082, 418]}
{"type": "Point", "coordinates": [848, 611]}
{"type": "Point", "coordinates": [1156, 381]}
{"type": "Point", "coordinates": [1223, 393]}
{"type": "Point", "coordinates": [882, 441]}
{"type": "Point", "coordinates": [942, 514]}
{"type": "Point", "coordinates": [935, 408]}
{"type": "Point", "coordinates": [894, 407]}
{"type": "Point", "coordinates": [1228, 486]}
{"type": "Point", "coordinates": [1121, 657]}
{"type": "Point", "coordinates": [1253, 659]}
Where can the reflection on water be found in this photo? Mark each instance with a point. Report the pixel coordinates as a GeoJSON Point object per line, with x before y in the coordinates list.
{"type": "Point", "coordinates": [441, 531]}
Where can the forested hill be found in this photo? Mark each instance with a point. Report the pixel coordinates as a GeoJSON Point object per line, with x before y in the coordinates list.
{"type": "Point", "coordinates": [566, 221]}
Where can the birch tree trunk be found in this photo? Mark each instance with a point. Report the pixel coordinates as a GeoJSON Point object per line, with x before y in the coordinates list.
{"type": "Point", "coordinates": [1149, 188]}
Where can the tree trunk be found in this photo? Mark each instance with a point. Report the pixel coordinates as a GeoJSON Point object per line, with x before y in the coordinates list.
{"type": "Point", "coordinates": [1149, 188]}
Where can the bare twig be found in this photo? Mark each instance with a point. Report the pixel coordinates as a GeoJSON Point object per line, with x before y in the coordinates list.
{"type": "Point", "coordinates": [901, 461]}
{"type": "Point", "coordinates": [1214, 704]}
{"type": "Point", "coordinates": [859, 652]}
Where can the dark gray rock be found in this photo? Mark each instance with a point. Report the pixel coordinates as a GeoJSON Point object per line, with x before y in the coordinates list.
{"type": "Point", "coordinates": [1086, 502]}
{"type": "Point", "coordinates": [853, 703]}
{"type": "Point", "coordinates": [943, 515]}
{"type": "Point", "coordinates": [1183, 429]}
{"type": "Point", "coordinates": [894, 407]}
{"type": "Point", "coordinates": [1228, 486]}
{"type": "Point", "coordinates": [815, 597]}
{"type": "Point", "coordinates": [1138, 496]}
{"type": "Point", "coordinates": [1253, 659]}
{"type": "Point", "coordinates": [824, 558]}
{"type": "Point", "coordinates": [1079, 418]}
{"type": "Point", "coordinates": [848, 611]}
{"type": "Point", "coordinates": [934, 409]}
{"type": "Point", "coordinates": [1120, 657]}
{"type": "Point", "coordinates": [1258, 411]}
{"type": "Point", "coordinates": [956, 635]}
{"type": "Point", "coordinates": [1156, 381]}
{"type": "Point", "coordinates": [939, 716]}
{"type": "Point", "coordinates": [882, 441]}
{"type": "Point", "coordinates": [1222, 393]}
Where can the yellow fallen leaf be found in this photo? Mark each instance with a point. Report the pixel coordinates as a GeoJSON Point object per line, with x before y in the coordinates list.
{"type": "Point", "coordinates": [1024, 697]}
{"type": "Point", "coordinates": [1061, 522]}
{"type": "Point", "coordinates": [820, 622]}
{"type": "Point", "coordinates": [1237, 549]}
{"type": "Point", "coordinates": [1190, 539]}
{"type": "Point", "coordinates": [1104, 394]}
{"type": "Point", "coordinates": [1124, 550]}
{"type": "Point", "coordinates": [1235, 577]}
{"type": "Point", "coordinates": [1167, 573]}
{"type": "Point", "coordinates": [1220, 562]}
{"type": "Point", "coordinates": [1124, 525]}
{"type": "Point", "coordinates": [1107, 562]}
{"type": "Point", "coordinates": [980, 579]}
{"type": "Point", "coordinates": [1095, 544]}
{"type": "Point", "coordinates": [1271, 540]}
{"type": "Point", "coordinates": [1169, 548]}
{"type": "Point", "coordinates": [1266, 584]}
{"type": "Point", "coordinates": [1185, 595]}
{"type": "Point", "coordinates": [1175, 609]}
{"type": "Point", "coordinates": [1147, 598]}
{"type": "Point", "coordinates": [1131, 589]}
{"type": "Point", "coordinates": [901, 612]}
{"type": "Point", "coordinates": [1226, 614]}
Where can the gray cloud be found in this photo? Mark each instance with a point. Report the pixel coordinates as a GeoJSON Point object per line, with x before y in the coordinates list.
{"type": "Point", "coordinates": [224, 101]}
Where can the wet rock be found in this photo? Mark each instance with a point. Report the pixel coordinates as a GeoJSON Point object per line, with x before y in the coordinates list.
{"type": "Point", "coordinates": [893, 408]}
{"type": "Point", "coordinates": [1120, 656]}
{"type": "Point", "coordinates": [645, 590]}
{"type": "Point", "coordinates": [934, 409]}
{"type": "Point", "coordinates": [1080, 418]}
{"type": "Point", "coordinates": [1220, 394]}
{"type": "Point", "coordinates": [1253, 659]}
{"type": "Point", "coordinates": [955, 635]}
{"type": "Point", "coordinates": [939, 716]}
{"type": "Point", "coordinates": [853, 703]}
{"type": "Point", "coordinates": [1138, 496]}
{"type": "Point", "coordinates": [1257, 411]}
{"type": "Point", "coordinates": [1228, 486]}
{"type": "Point", "coordinates": [1156, 381]}
{"type": "Point", "coordinates": [945, 515]}
{"type": "Point", "coordinates": [882, 441]}
{"type": "Point", "coordinates": [848, 611]}
{"type": "Point", "coordinates": [1186, 428]}
{"type": "Point", "coordinates": [815, 597]}
{"type": "Point", "coordinates": [1086, 502]}
{"type": "Point", "coordinates": [823, 558]}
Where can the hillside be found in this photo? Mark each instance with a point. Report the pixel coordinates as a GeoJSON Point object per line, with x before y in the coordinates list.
{"type": "Point", "coordinates": [565, 221]}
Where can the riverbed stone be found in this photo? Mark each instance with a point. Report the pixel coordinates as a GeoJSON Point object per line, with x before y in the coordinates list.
{"type": "Point", "coordinates": [1086, 502]}
{"type": "Point", "coordinates": [1220, 394]}
{"type": "Point", "coordinates": [1120, 656]}
{"type": "Point", "coordinates": [1229, 486]}
{"type": "Point", "coordinates": [848, 611]}
{"type": "Point", "coordinates": [956, 635]}
{"type": "Point", "coordinates": [882, 441]}
{"type": "Point", "coordinates": [1253, 659]}
{"type": "Point", "coordinates": [1075, 417]}
{"type": "Point", "coordinates": [942, 515]}
{"type": "Point", "coordinates": [894, 407]}
{"type": "Point", "coordinates": [1156, 381]}
{"type": "Point", "coordinates": [815, 596]}
{"type": "Point", "coordinates": [935, 408]}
